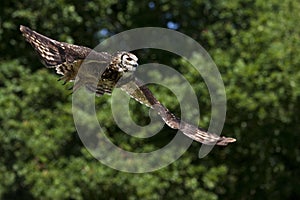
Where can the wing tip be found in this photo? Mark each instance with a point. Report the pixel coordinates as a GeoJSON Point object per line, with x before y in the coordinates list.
{"type": "Point", "coordinates": [26, 32]}
{"type": "Point", "coordinates": [24, 29]}
{"type": "Point", "coordinates": [224, 141]}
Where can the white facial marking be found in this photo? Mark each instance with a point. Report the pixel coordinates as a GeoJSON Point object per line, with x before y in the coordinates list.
{"type": "Point", "coordinates": [129, 61]}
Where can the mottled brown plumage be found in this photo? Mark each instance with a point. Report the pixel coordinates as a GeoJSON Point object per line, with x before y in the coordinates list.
{"type": "Point", "coordinates": [100, 73]}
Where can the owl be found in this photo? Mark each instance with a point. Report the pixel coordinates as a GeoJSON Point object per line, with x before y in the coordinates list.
{"type": "Point", "coordinates": [103, 73]}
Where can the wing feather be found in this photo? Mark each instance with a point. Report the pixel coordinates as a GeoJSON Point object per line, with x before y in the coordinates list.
{"type": "Point", "coordinates": [137, 90]}
{"type": "Point", "coordinates": [52, 52]}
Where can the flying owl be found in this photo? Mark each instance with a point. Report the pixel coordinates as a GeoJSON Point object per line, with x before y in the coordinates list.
{"type": "Point", "coordinates": [104, 74]}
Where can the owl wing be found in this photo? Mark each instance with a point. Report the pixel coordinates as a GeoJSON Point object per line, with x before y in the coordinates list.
{"type": "Point", "coordinates": [137, 90]}
{"type": "Point", "coordinates": [54, 54]}
{"type": "Point", "coordinates": [68, 58]}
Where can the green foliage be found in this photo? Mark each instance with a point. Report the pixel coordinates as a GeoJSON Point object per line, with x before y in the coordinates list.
{"type": "Point", "coordinates": [255, 45]}
{"type": "Point", "coordinates": [42, 157]}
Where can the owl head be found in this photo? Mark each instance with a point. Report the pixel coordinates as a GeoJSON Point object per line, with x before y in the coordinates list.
{"type": "Point", "coordinates": [127, 62]}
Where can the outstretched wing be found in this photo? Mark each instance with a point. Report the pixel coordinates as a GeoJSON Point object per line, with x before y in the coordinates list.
{"type": "Point", "coordinates": [137, 90]}
{"type": "Point", "coordinates": [67, 59]}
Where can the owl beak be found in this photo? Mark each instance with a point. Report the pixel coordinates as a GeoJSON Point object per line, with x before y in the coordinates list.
{"type": "Point", "coordinates": [134, 66]}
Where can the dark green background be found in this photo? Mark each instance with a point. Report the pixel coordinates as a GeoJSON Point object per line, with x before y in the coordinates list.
{"type": "Point", "coordinates": [255, 45]}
